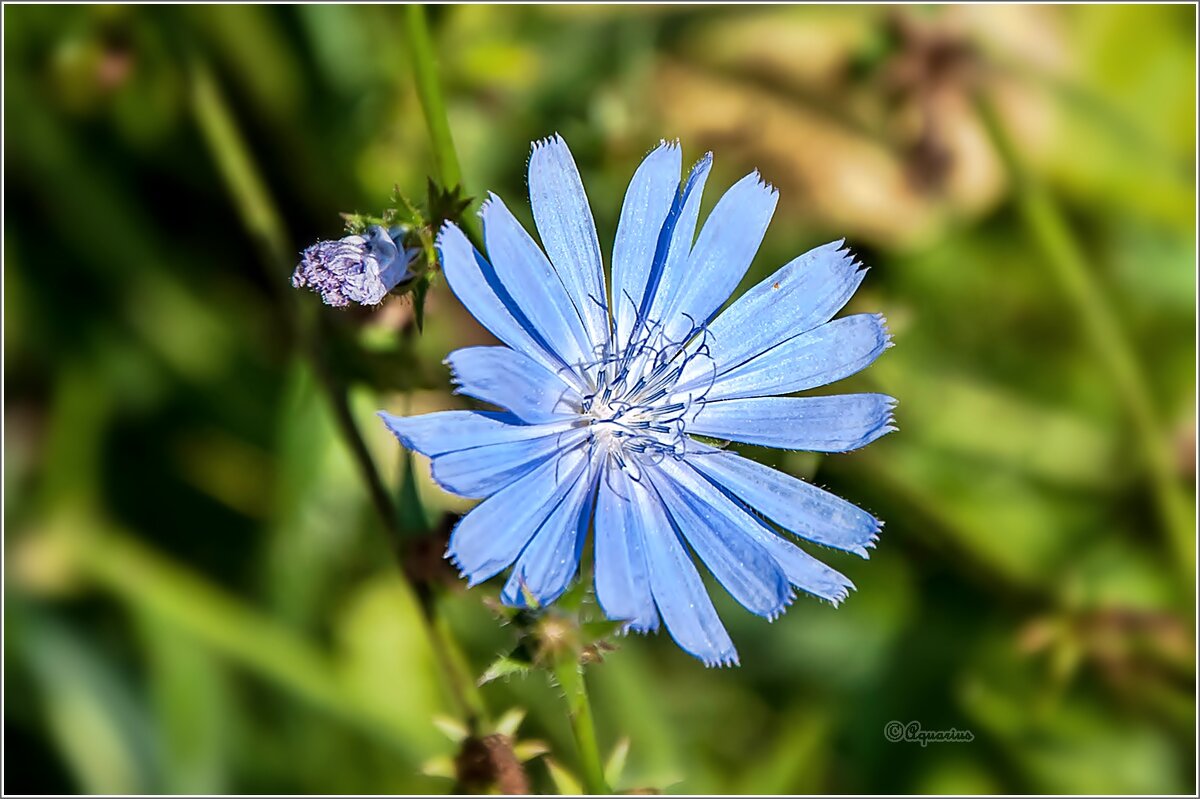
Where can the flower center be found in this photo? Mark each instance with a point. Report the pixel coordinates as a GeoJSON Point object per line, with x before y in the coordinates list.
{"type": "Point", "coordinates": [635, 411]}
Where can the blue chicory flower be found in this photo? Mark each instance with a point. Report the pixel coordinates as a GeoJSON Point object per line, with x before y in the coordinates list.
{"type": "Point", "coordinates": [358, 268]}
{"type": "Point", "coordinates": [604, 399]}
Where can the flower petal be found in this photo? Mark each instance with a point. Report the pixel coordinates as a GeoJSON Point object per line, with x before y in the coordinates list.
{"type": "Point", "coordinates": [805, 293]}
{"type": "Point", "coordinates": [474, 281]}
{"type": "Point", "coordinates": [790, 502]}
{"type": "Point", "coordinates": [494, 533]}
{"type": "Point", "coordinates": [738, 562]}
{"type": "Point", "coordinates": [727, 244]}
{"type": "Point", "coordinates": [687, 612]}
{"type": "Point", "coordinates": [823, 355]}
{"type": "Point", "coordinates": [648, 201]}
{"type": "Point", "coordinates": [801, 569]}
{"type": "Point", "coordinates": [513, 381]}
{"type": "Point", "coordinates": [668, 272]}
{"type": "Point", "coordinates": [836, 423]}
{"type": "Point", "coordinates": [564, 221]}
{"type": "Point", "coordinates": [551, 559]}
{"type": "Point", "coordinates": [622, 574]}
{"type": "Point", "coordinates": [482, 471]}
{"type": "Point", "coordinates": [533, 284]}
{"type": "Point", "coordinates": [434, 434]}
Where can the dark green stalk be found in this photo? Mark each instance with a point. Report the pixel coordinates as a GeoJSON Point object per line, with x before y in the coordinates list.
{"type": "Point", "coordinates": [263, 221]}
{"type": "Point", "coordinates": [261, 218]}
{"type": "Point", "coordinates": [1046, 225]}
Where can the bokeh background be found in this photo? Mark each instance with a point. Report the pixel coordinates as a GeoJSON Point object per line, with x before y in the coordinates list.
{"type": "Point", "coordinates": [198, 595]}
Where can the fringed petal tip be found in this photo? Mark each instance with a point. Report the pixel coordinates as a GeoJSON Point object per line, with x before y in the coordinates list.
{"type": "Point", "coordinates": [458, 567]}
{"type": "Point", "coordinates": [447, 227]}
{"type": "Point", "coordinates": [890, 425]}
{"type": "Point", "coordinates": [665, 144]}
{"type": "Point", "coordinates": [849, 259]}
{"type": "Point", "coordinates": [641, 628]}
{"type": "Point", "coordinates": [884, 331]}
{"type": "Point", "coordinates": [463, 574]}
{"type": "Point", "coordinates": [763, 183]}
{"type": "Point", "coordinates": [871, 542]}
{"type": "Point", "coordinates": [492, 199]}
{"type": "Point", "coordinates": [552, 139]}
{"type": "Point", "coordinates": [783, 607]}
{"type": "Point", "coordinates": [887, 424]}
{"type": "Point", "coordinates": [441, 245]}
{"type": "Point", "coordinates": [727, 659]}
{"type": "Point", "coordinates": [841, 595]}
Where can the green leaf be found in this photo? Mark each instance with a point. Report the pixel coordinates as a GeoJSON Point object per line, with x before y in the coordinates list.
{"type": "Point", "coordinates": [445, 204]}
{"type": "Point", "coordinates": [454, 729]}
{"type": "Point", "coordinates": [505, 666]}
{"type": "Point", "coordinates": [420, 291]}
{"type": "Point", "coordinates": [615, 767]}
{"type": "Point", "coordinates": [528, 750]}
{"type": "Point", "coordinates": [388, 663]}
{"type": "Point", "coordinates": [441, 766]}
{"type": "Point", "coordinates": [102, 732]}
{"type": "Point", "coordinates": [564, 781]}
{"type": "Point", "coordinates": [509, 722]}
{"type": "Point", "coordinates": [192, 703]}
{"type": "Point", "coordinates": [410, 515]}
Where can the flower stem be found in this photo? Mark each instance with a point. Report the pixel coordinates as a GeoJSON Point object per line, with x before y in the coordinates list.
{"type": "Point", "coordinates": [1045, 223]}
{"type": "Point", "coordinates": [569, 674]}
{"type": "Point", "coordinates": [433, 106]}
{"type": "Point", "coordinates": [262, 219]}
{"type": "Point", "coordinates": [420, 49]}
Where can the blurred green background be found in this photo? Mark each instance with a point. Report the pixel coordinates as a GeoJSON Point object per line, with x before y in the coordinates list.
{"type": "Point", "coordinates": [198, 597]}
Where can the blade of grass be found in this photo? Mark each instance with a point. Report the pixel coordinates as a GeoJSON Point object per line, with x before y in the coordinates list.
{"type": "Point", "coordinates": [1047, 226]}
{"type": "Point", "coordinates": [261, 218]}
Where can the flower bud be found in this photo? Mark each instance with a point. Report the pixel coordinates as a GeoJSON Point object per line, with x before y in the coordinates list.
{"type": "Point", "coordinates": [359, 268]}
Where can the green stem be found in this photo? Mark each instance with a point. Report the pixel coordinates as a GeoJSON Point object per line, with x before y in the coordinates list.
{"type": "Point", "coordinates": [569, 674]}
{"type": "Point", "coordinates": [1047, 226]}
{"type": "Point", "coordinates": [262, 219]}
{"type": "Point", "coordinates": [339, 400]}
{"type": "Point", "coordinates": [433, 106]}
{"type": "Point", "coordinates": [463, 689]}
{"type": "Point", "coordinates": [420, 49]}
{"type": "Point", "coordinates": [458, 672]}
{"type": "Point", "coordinates": [246, 186]}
